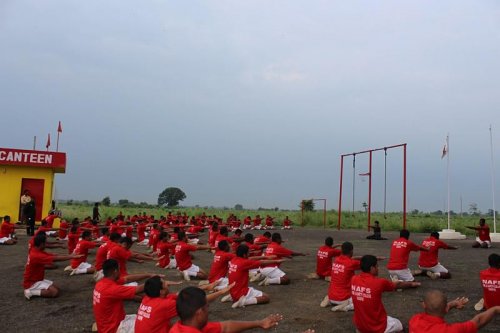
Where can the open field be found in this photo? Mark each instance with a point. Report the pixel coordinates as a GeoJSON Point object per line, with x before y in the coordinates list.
{"type": "Point", "coordinates": [298, 302]}
{"type": "Point", "coordinates": [422, 222]}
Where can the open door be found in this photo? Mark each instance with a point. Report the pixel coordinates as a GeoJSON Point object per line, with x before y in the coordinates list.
{"type": "Point", "coordinates": [35, 188]}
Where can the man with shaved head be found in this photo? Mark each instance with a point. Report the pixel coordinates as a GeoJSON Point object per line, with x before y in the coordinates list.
{"type": "Point", "coordinates": [436, 307]}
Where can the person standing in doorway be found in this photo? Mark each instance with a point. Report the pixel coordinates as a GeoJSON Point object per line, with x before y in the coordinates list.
{"type": "Point", "coordinates": [25, 198]}
{"type": "Point", "coordinates": [29, 213]}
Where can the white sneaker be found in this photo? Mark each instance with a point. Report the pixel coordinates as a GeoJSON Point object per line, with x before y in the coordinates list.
{"type": "Point", "coordinates": [27, 294]}
{"type": "Point", "coordinates": [185, 275]}
{"type": "Point", "coordinates": [226, 298]}
{"type": "Point", "coordinates": [240, 303]}
{"type": "Point", "coordinates": [325, 302]}
{"type": "Point", "coordinates": [264, 282]}
{"type": "Point", "coordinates": [479, 305]}
{"type": "Point", "coordinates": [256, 277]}
{"type": "Point", "coordinates": [433, 275]}
{"type": "Point", "coordinates": [341, 307]}
{"type": "Point", "coordinates": [68, 268]}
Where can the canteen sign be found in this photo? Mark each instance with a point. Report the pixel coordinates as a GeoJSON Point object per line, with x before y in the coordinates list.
{"type": "Point", "coordinates": [33, 158]}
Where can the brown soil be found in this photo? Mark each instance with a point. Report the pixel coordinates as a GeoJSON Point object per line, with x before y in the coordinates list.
{"type": "Point", "coordinates": [298, 302]}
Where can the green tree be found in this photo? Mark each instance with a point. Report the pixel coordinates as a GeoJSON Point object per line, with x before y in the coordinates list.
{"type": "Point", "coordinates": [171, 197]}
{"type": "Point", "coordinates": [307, 205]}
{"type": "Point", "coordinates": [106, 201]}
{"type": "Point", "coordinates": [238, 207]}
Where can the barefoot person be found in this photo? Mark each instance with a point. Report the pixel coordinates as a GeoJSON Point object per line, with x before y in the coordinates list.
{"type": "Point", "coordinates": [483, 239]}
{"type": "Point", "coordinates": [34, 282]}
{"type": "Point", "coordinates": [428, 261]}
{"type": "Point", "coordinates": [436, 306]}
{"type": "Point", "coordinates": [7, 232]}
{"type": "Point", "coordinates": [367, 289]}
{"type": "Point", "coordinates": [377, 232]}
{"type": "Point", "coordinates": [183, 258]}
{"type": "Point", "coordinates": [192, 307]}
{"type": "Point", "coordinates": [324, 258]}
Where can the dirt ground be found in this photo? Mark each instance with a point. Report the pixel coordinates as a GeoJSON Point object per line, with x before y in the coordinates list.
{"type": "Point", "coordinates": [298, 302]}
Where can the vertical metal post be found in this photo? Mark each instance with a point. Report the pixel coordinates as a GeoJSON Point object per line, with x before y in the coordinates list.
{"type": "Point", "coordinates": [324, 213]}
{"type": "Point", "coordinates": [404, 186]}
{"type": "Point", "coordinates": [340, 192]}
{"type": "Point", "coordinates": [370, 191]}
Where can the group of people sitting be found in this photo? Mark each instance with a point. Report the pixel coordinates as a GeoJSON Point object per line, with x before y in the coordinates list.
{"type": "Point", "coordinates": [237, 261]}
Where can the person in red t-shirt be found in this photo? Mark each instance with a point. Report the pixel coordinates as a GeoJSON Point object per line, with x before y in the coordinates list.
{"type": "Point", "coordinates": [220, 265]}
{"type": "Point", "coordinates": [483, 239]}
{"type": "Point", "coordinates": [239, 268]}
{"type": "Point", "coordinates": [400, 253]}
{"type": "Point", "coordinates": [367, 289]}
{"type": "Point", "coordinates": [141, 233]}
{"type": "Point", "coordinates": [272, 272]}
{"type": "Point", "coordinates": [223, 235]}
{"type": "Point", "coordinates": [247, 223]}
{"type": "Point", "coordinates": [102, 254]}
{"type": "Point", "coordinates": [264, 239]}
{"type": "Point", "coordinates": [108, 297]}
{"type": "Point", "coordinates": [157, 308]}
{"type": "Point", "coordinates": [164, 250]}
{"type": "Point", "coordinates": [34, 282]}
{"type": "Point", "coordinates": [121, 253]}
{"type": "Point", "coordinates": [257, 222]}
{"type": "Point", "coordinates": [213, 233]}
{"type": "Point", "coordinates": [192, 307]}
{"type": "Point", "coordinates": [183, 258]}
{"type": "Point", "coordinates": [490, 280]}
{"type": "Point", "coordinates": [7, 236]}
{"type": "Point", "coordinates": [287, 223]}
{"type": "Point", "coordinates": [428, 260]}
{"type": "Point", "coordinates": [63, 230]}
{"type": "Point", "coordinates": [324, 258]}
{"type": "Point", "coordinates": [80, 265]}
{"type": "Point", "coordinates": [339, 291]}
{"type": "Point", "coordinates": [269, 223]}
{"type": "Point", "coordinates": [436, 307]}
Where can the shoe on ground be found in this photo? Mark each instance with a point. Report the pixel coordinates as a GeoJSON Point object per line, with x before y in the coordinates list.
{"type": "Point", "coordinates": [240, 303]}
{"type": "Point", "coordinates": [185, 275]}
{"type": "Point", "coordinates": [433, 275]}
{"type": "Point", "coordinates": [325, 302]}
{"type": "Point", "coordinates": [68, 268]}
{"type": "Point", "coordinates": [479, 305]}
{"type": "Point", "coordinates": [27, 294]}
{"type": "Point", "coordinates": [226, 298]}
{"type": "Point", "coordinates": [341, 307]}
{"type": "Point", "coordinates": [256, 277]}
{"type": "Point", "coordinates": [264, 282]}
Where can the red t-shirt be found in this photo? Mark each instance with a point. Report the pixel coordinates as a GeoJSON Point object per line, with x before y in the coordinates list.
{"type": "Point", "coordinates": [220, 238]}
{"type": "Point", "coordinates": [102, 254]}
{"type": "Point", "coordinates": [484, 233]}
{"type": "Point", "coordinates": [370, 315]}
{"type": "Point", "coordinates": [220, 265]}
{"type": "Point", "coordinates": [108, 304]}
{"type": "Point", "coordinates": [82, 247]}
{"type": "Point", "coordinates": [490, 280]}
{"type": "Point", "coordinates": [163, 250]}
{"type": "Point", "coordinates": [212, 327]}
{"type": "Point", "coordinates": [262, 240]}
{"type": "Point", "coordinates": [212, 236]}
{"type": "Point", "coordinates": [430, 259]}
{"type": "Point", "coordinates": [63, 229]}
{"type": "Point", "coordinates": [424, 323]}
{"type": "Point", "coordinates": [182, 255]}
{"type": "Point", "coordinates": [238, 273]}
{"type": "Point", "coordinates": [141, 232]}
{"type": "Point", "coordinates": [34, 270]}
{"type": "Point", "coordinates": [72, 241]}
{"type": "Point", "coordinates": [154, 314]}
{"type": "Point", "coordinates": [342, 272]}
{"type": "Point", "coordinates": [400, 253]}
{"type": "Point", "coordinates": [278, 251]}
{"type": "Point", "coordinates": [120, 254]}
{"type": "Point", "coordinates": [324, 260]}
{"type": "Point", "coordinates": [6, 230]}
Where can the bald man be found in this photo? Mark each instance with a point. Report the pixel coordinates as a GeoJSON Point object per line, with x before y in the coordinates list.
{"type": "Point", "coordinates": [436, 306]}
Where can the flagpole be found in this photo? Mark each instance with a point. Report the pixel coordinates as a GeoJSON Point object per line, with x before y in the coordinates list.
{"type": "Point", "coordinates": [493, 182]}
{"type": "Point", "coordinates": [448, 175]}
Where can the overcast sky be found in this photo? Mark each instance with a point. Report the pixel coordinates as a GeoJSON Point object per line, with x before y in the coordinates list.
{"type": "Point", "coordinates": [253, 102]}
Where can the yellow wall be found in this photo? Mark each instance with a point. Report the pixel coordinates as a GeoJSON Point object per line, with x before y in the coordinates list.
{"type": "Point", "coordinates": [10, 188]}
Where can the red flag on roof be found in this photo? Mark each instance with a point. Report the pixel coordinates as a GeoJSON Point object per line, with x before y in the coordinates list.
{"type": "Point", "coordinates": [48, 142]}
{"type": "Point", "coordinates": [59, 128]}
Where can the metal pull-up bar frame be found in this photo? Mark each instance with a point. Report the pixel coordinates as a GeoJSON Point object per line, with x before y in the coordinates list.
{"type": "Point", "coordinates": [370, 152]}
